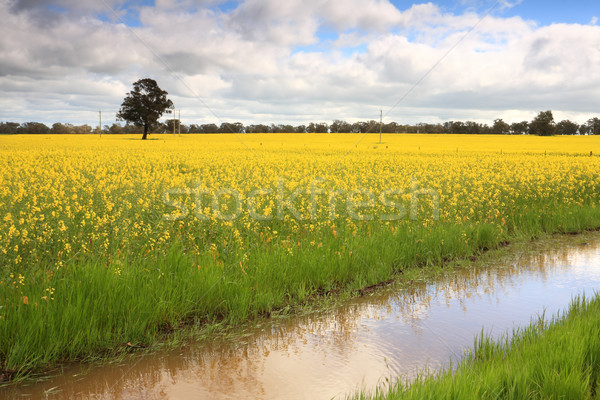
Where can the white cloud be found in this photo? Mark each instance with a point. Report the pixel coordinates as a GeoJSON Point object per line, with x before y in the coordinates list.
{"type": "Point", "coordinates": [253, 63]}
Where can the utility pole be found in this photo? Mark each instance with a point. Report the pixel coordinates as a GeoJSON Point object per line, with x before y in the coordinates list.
{"type": "Point", "coordinates": [174, 125]}
{"type": "Point", "coordinates": [179, 123]}
{"type": "Point", "coordinates": [380, 124]}
{"type": "Point", "coordinates": [100, 123]}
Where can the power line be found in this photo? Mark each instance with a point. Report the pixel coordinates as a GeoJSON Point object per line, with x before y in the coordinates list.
{"type": "Point", "coordinates": [430, 70]}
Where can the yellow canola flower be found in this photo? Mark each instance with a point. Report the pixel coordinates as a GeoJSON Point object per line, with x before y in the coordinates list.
{"type": "Point", "coordinates": [98, 197]}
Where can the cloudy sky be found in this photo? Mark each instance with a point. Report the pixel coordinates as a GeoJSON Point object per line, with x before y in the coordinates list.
{"type": "Point", "coordinates": [295, 61]}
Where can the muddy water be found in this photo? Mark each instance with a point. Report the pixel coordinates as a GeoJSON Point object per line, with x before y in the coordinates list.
{"type": "Point", "coordinates": [393, 332]}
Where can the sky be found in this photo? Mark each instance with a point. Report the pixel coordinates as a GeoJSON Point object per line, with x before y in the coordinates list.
{"type": "Point", "coordinates": [299, 61]}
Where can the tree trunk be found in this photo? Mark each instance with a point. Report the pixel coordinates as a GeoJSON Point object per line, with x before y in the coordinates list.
{"type": "Point", "coordinates": [145, 132]}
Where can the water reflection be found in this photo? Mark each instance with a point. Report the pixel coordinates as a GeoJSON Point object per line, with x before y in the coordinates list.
{"type": "Point", "coordinates": [393, 332]}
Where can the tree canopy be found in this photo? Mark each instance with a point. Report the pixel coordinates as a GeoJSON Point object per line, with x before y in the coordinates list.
{"type": "Point", "coordinates": [566, 127]}
{"type": "Point", "coordinates": [543, 124]}
{"type": "Point", "coordinates": [144, 105]}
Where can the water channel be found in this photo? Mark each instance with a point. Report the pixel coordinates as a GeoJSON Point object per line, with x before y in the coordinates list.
{"type": "Point", "coordinates": [393, 332]}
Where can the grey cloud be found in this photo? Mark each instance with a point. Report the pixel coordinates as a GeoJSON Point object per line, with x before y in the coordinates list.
{"type": "Point", "coordinates": [52, 13]}
{"type": "Point", "coordinates": [541, 55]}
{"type": "Point", "coordinates": [244, 64]}
{"type": "Point", "coordinates": [275, 22]}
{"type": "Point", "coordinates": [67, 5]}
{"type": "Point", "coordinates": [187, 62]}
{"type": "Point", "coordinates": [297, 22]}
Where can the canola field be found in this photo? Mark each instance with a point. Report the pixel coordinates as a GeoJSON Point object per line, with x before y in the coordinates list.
{"type": "Point", "coordinates": [107, 244]}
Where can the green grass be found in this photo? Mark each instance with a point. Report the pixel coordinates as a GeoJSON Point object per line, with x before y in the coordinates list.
{"type": "Point", "coordinates": [109, 306]}
{"type": "Point", "coordinates": [556, 360]}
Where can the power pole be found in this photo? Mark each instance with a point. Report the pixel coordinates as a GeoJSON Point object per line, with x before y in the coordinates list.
{"type": "Point", "coordinates": [380, 124]}
{"type": "Point", "coordinates": [179, 123]}
{"type": "Point", "coordinates": [174, 124]}
{"type": "Point", "coordinates": [100, 123]}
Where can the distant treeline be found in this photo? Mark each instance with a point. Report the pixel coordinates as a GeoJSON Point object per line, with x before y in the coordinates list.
{"type": "Point", "coordinates": [543, 124]}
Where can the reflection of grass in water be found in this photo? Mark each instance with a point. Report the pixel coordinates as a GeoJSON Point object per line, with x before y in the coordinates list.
{"type": "Point", "coordinates": [560, 359]}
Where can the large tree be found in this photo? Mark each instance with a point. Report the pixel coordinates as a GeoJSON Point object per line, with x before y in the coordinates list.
{"type": "Point", "coordinates": [543, 124]}
{"type": "Point", "coordinates": [36, 128]}
{"type": "Point", "coordinates": [566, 127]}
{"type": "Point", "coordinates": [339, 126]}
{"type": "Point", "coordinates": [144, 105]}
{"type": "Point", "coordinates": [500, 127]}
{"type": "Point", "coordinates": [594, 126]}
{"type": "Point", "coordinates": [519, 128]}
{"type": "Point", "coordinates": [9, 127]}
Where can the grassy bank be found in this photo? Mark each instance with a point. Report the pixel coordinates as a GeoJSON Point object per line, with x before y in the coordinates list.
{"type": "Point", "coordinates": [109, 308]}
{"type": "Point", "coordinates": [92, 267]}
{"type": "Point", "coordinates": [555, 360]}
